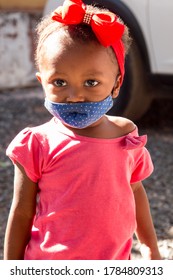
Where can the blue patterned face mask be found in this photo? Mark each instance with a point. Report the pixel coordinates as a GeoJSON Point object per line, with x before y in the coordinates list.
{"type": "Point", "coordinates": [79, 114]}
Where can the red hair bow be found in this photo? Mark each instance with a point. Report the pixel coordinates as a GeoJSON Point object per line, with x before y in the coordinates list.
{"type": "Point", "coordinates": [105, 25]}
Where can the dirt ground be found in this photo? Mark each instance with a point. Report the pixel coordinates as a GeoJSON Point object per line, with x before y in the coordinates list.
{"type": "Point", "coordinates": [24, 107]}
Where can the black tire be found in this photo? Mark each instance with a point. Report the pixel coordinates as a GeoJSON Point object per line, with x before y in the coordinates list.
{"type": "Point", "coordinates": [134, 99]}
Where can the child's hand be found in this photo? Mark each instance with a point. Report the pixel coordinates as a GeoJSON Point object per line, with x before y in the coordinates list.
{"type": "Point", "coordinates": [150, 254]}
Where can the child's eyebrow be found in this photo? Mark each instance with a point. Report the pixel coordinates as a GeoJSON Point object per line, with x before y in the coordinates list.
{"type": "Point", "coordinates": [94, 73]}
{"type": "Point", "coordinates": [89, 73]}
{"type": "Point", "coordinates": [55, 73]}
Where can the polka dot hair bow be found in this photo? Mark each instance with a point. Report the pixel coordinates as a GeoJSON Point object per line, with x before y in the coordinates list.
{"type": "Point", "coordinates": [104, 24]}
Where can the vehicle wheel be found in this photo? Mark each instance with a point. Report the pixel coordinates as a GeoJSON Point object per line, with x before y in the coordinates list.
{"type": "Point", "coordinates": [133, 100]}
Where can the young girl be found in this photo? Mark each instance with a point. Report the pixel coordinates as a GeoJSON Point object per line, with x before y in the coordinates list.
{"type": "Point", "coordinates": [77, 188]}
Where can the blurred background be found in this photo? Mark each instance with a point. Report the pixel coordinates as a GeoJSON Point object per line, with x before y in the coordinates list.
{"type": "Point", "coordinates": [21, 100]}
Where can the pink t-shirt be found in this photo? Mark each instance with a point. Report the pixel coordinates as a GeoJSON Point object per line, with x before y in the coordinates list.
{"type": "Point", "coordinates": [86, 208]}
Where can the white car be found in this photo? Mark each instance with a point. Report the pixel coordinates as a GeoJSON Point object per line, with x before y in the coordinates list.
{"type": "Point", "coordinates": [149, 65]}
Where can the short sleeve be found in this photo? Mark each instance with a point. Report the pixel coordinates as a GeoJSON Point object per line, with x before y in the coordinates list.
{"type": "Point", "coordinates": [143, 166]}
{"type": "Point", "coordinates": [25, 149]}
{"type": "Point", "coordinates": [141, 162]}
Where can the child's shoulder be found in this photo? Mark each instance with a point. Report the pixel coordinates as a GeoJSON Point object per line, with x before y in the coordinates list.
{"type": "Point", "coordinates": [123, 125]}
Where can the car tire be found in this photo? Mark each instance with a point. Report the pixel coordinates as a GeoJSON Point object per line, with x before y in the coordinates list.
{"type": "Point", "coordinates": [133, 100]}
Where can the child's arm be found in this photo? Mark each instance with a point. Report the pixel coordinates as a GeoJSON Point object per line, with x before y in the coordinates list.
{"type": "Point", "coordinates": [21, 215]}
{"type": "Point", "coordinates": [145, 229]}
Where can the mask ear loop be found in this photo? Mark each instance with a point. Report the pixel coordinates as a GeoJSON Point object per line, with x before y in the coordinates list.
{"type": "Point", "coordinates": [112, 92]}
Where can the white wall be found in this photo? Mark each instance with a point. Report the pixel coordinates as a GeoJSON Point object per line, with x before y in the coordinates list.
{"type": "Point", "coordinates": [16, 50]}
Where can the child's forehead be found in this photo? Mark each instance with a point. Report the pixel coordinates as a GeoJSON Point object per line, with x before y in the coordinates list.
{"type": "Point", "coordinates": [58, 45]}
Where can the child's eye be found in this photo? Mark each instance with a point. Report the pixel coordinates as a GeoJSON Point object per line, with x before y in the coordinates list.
{"type": "Point", "coordinates": [60, 83]}
{"type": "Point", "coordinates": [91, 83]}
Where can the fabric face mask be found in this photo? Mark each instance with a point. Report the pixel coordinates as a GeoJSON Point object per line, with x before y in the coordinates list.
{"type": "Point", "coordinates": [79, 114]}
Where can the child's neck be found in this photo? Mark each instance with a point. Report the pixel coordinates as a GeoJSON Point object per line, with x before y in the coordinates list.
{"type": "Point", "coordinates": [105, 128]}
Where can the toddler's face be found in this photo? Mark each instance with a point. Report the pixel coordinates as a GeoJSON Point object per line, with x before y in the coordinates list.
{"type": "Point", "coordinates": [77, 72]}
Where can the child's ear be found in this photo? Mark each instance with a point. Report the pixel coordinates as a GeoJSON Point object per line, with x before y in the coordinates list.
{"type": "Point", "coordinates": [38, 75]}
{"type": "Point", "coordinates": [116, 87]}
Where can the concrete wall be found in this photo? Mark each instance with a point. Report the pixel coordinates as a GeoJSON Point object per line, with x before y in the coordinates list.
{"type": "Point", "coordinates": [17, 22]}
{"type": "Point", "coordinates": [16, 49]}
{"type": "Point", "coordinates": [22, 4]}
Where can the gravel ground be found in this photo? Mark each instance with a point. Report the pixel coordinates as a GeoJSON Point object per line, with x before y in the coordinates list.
{"type": "Point", "coordinates": [24, 107]}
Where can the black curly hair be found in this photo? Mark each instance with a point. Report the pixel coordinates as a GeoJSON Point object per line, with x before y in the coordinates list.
{"type": "Point", "coordinates": [81, 32]}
